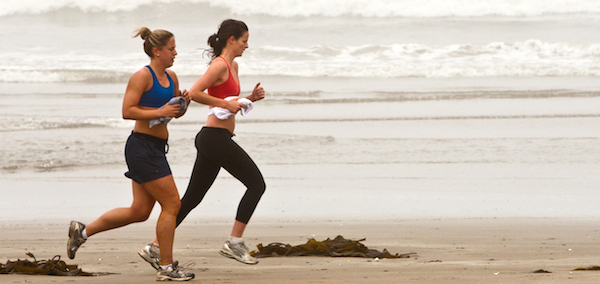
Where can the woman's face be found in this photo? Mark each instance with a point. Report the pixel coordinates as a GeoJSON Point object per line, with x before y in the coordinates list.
{"type": "Point", "coordinates": [240, 44]}
{"type": "Point", "coordinates": [167, 54]}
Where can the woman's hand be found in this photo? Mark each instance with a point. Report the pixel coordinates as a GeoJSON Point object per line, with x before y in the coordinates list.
{"type": "Point", "coordinates": [233, 105]}
{"type": "Point", "coordinates": [186, 95]}
{"type": "Point", "coordinates": [257, 94]}
{"type": "Point", "coordinates": [170, 110]}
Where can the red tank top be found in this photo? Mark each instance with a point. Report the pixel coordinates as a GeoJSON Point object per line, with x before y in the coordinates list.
{"type": "Point", "coordinates": [227, 89]}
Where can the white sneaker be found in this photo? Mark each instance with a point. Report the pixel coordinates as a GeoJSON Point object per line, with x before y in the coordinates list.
{"type": "Point", "coordinates": [151, 254]}
{"type": "Point", "coordinates": [173, 273]}
{"type": "Point", "coordinates": [238, 252]}
{"type": "Point", "coordinates": [75, 238]}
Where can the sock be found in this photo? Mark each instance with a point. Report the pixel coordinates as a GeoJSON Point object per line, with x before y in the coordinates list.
{"type": "Point", "coordinates": [235, 240]}
{"type": "Point", "coordinates": [164, 267]}
{"type": "Point", "coordinates": [84, 234]}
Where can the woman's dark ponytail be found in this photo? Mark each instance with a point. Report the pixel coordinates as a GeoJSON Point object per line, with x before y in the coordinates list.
{"type": "Point", "coordinates": [227, 29]}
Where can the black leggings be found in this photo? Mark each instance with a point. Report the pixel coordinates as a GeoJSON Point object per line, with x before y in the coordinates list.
{"type": "Point", "coordinates": [216, 149]}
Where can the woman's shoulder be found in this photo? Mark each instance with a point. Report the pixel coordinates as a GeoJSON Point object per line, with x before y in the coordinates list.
{"type": "Point", "coordinates": [141, 77]}
{"type": "Point", "coordinates": [218, 62]}
{"type": "Point", "coordinates": [144, 72]}
{"type": "Point", "coordinates": [218, 65]}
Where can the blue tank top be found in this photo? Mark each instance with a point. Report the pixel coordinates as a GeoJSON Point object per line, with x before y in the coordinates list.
{"type": "Point", "coordinates": [158, 95]}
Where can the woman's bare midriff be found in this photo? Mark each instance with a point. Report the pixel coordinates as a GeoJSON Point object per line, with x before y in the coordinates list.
{"type": "Point", "coordinates": [143, 126]}
{"type": "Point", "coordinates": [160, 131]}
{"type": "Point", "coordinates": [213, 121]}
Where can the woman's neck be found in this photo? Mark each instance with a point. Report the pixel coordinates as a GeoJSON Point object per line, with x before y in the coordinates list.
{"type": "Point", "coordinates": [157, 67]}
{"type": "Point", "coordinates": [228, 56]}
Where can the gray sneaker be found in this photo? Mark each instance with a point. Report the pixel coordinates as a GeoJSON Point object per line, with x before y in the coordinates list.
{"type": "Point", "coordinates": [173, 273]}
{"type": "Point", "coordinates": [238, 252]}
{"type": "Point", "coordinates": [75, 238]}
{"type": "Point", "coordinates": [151, 254]}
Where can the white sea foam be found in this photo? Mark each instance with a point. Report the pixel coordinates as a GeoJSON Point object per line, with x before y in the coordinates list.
{"type": "Point", "coordinates": [18, 123]}
{"type": "Point", "coordinates": [519, 59]}
{"type": "Point", "coordinates": [528, 58]}
{"type": "Point", "coordinates": [330, 8]}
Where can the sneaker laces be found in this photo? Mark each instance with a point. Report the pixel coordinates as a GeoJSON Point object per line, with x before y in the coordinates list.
{"type": "Point", "coordinates": [153, 250]}
{"type": "Point", "coordinates": [187, 265]}
{"type": "Point", "coordinates": [241, 247]}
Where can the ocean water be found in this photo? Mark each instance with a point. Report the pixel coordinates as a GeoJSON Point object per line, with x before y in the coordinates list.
{"type": "Point", "coordinates": [90, 41]}
{"type": "Point", "coordinates": [441, 108]}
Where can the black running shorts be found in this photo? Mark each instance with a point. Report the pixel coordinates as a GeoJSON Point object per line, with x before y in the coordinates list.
{"type": "Point", "coordinates": [145, 157]}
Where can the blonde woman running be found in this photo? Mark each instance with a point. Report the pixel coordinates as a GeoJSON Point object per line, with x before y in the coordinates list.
{"type": "Point", "coordinates": [148, 92]}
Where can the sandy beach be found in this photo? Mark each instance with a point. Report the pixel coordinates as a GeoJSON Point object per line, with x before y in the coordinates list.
{"type": "Point", "coordinates": [465, 132]}
{"type": "Point", "coordinates": [448, 251]}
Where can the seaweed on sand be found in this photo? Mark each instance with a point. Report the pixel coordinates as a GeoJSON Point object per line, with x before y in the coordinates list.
{"type": "Point", "coordinates": [53, 266]}
{"type": "Point", "coordinates": [588, 268]}
{"type": "Point", "coordinates": [338, 247]}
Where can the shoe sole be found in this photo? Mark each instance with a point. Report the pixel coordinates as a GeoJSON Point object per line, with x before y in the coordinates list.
{"type": "Point", "coordinates": [148, 259]}
{"type": "Point", "coordinates": [167, 278]}
{"type": "Point", "coordinates": [228, 255]}
{"type": "Point", "coordinates": [72, 228]}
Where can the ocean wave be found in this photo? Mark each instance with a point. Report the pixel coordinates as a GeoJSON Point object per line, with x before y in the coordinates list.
{"type": "Point", "coordinates": [521, 59]}
{"type": "Point", "coordinates": [17, 123]}
{"type": "Point", "coordinates": [61, 75]}
{"type": "Point", "coordinates": [428, 118]}
{"type": "Point", "coordinates": [331, 8]}
{"type": "Point", "coordinates": [531, 58]}
{"type": "Point", "coordinates": [42, 66]}
{"type": "Point", "coordinates": [317, 97]}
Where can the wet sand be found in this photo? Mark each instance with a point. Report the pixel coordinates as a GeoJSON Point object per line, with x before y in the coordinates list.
{"type": "Point", "coordinates": [448, 251]}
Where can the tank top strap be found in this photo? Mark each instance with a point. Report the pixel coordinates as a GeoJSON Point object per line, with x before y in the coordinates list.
{"type": "Point", "coordinates": [169, 77]}
{"type": "Point", "coordinates": [154, 78]}
{"type": "Point", "coordinates": [227, 63]}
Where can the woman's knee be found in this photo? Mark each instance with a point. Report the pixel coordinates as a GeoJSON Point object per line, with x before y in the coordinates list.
{"type": "Point", "coordinates": [139, 214]}
{"type": "Point", "coordinates": [259, 187]}
{"type": "Point", "coordinates": [173, 205]}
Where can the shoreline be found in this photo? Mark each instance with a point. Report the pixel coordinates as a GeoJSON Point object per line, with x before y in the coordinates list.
{"type": "Point", "coordinates": [355, 86]}
{"type": "Point", "coordinates": [475, 250]}
{"type": "Point", "coordinates": [359, 192]}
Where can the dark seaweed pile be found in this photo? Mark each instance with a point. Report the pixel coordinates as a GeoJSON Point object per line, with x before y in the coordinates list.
{"type": "Point", "coordinates": [338, 247]}
{"type": "Point", "coordinates": [53, 266]}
